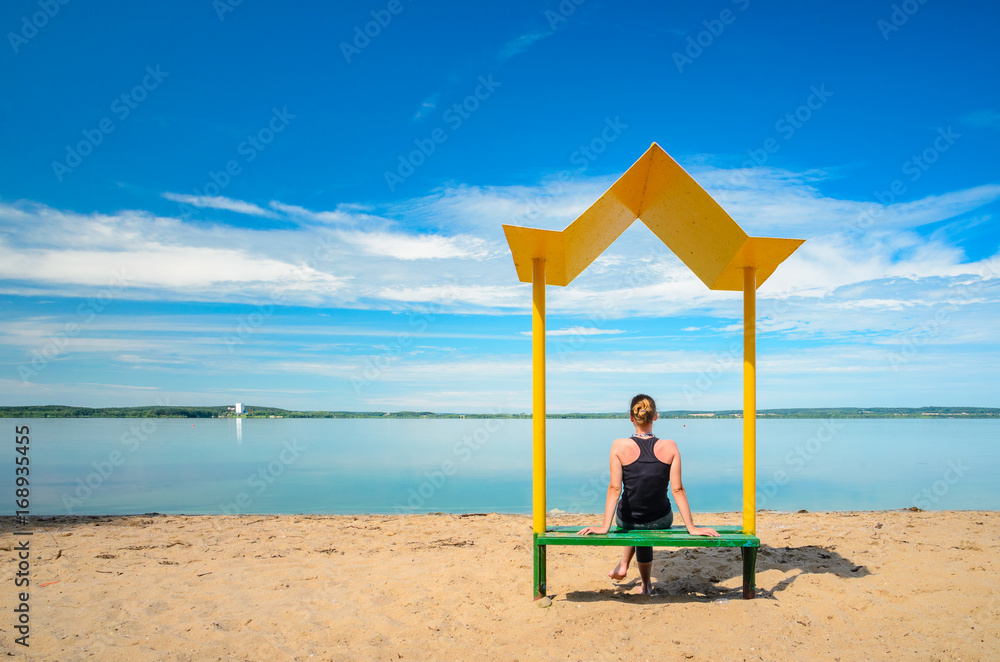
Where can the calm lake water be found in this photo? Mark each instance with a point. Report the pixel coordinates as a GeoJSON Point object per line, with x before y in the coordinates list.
{"type": "Point", "coordinates": [119, 466]}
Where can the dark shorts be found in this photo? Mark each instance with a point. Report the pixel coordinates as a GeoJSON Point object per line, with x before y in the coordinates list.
{"type": "Point", "coordinates": [645, 554]}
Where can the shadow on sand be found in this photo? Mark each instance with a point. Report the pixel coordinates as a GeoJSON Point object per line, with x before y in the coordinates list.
{"type": "Point", "coordinates": [694, 574]}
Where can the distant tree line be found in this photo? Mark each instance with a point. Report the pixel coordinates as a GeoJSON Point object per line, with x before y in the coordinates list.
{"type": "Point", "coordinates": [224, 411]}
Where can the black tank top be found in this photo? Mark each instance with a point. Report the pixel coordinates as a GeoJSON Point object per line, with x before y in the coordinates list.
{"type": "Point", "coordinates": [644, 486]}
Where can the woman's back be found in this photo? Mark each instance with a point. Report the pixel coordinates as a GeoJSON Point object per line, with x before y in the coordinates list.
{"type": "Point", "coordinates": [644, 482]}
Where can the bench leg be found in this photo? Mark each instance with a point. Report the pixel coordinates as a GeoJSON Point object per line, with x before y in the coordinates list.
{"type": "Point", "coordinates": [539, 570]}
{"type": "Point", "coordinates": [749, 572]}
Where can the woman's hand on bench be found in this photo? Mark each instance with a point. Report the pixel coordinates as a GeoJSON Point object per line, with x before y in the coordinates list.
{"type": "Point", "coordinates": [703, 531]}
{"type": "Point", "coordinates": [594, 529]}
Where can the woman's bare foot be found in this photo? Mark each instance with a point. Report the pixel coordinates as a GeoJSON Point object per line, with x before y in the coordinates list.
{"type": "Point", "coordinates": [618, 572]}
{"type": "Point", "coordinates": [646, 589]}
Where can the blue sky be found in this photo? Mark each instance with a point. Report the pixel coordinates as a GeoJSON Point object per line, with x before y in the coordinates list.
{"type": "Point", "coordinates": [301, 205]}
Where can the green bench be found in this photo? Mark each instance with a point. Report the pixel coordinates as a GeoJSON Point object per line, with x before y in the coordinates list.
{"type": "Point", "coordinates": [729, 536]}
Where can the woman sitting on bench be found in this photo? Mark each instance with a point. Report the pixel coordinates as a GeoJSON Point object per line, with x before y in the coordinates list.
{"type": "Point", "coordinates": [644, 465]}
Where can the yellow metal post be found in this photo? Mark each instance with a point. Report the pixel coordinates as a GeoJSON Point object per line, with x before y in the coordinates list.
{"type": "Point", "coordinates": [749, 400]}
{"type": "Point", "coordinates": [538, 393]}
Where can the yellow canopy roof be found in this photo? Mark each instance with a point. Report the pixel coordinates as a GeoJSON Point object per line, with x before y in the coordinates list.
{"type": "Point", "coordinates": [675, 207]}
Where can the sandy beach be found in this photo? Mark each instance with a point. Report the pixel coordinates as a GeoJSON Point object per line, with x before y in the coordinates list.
{"type": "Point", "coordinates": [847, 586]}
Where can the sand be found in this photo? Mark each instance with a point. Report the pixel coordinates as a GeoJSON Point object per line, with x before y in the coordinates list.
{"type": "Point", "coordinates": [848, 586]}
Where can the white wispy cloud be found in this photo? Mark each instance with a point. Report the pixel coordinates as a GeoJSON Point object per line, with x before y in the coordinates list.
{"type": "Point", "coordinates": [579, 331]}
{"type": "Point", "coordinates": [219, 202]}
{"type": "Point", "coordinates": [403, 246]}
{"type": "Point", "coordinates": [774, 200]}
{"type": "Point", "coordinates": [427, 106]}
{"type": "Point", "coordinates": [343, 215]}
{"type": "Point", "coordinates": [522, 43]}
{"type": "Point", "coordinates": [135, 255]}
{"type": "Point", "coordinates": [449, 294]}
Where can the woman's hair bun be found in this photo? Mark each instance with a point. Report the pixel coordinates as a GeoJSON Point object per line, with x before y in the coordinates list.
{"type": "Point", "coordinates": [642, 409]}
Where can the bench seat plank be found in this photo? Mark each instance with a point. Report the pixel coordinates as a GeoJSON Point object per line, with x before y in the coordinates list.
{"type": "Point", "coordinates": [730, 536]}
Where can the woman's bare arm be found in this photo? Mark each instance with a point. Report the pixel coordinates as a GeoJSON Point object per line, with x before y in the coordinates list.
{"type": "Point", "coordinates": [614, 491]}
{"type": "Point", "coordinates": [680, 496]}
